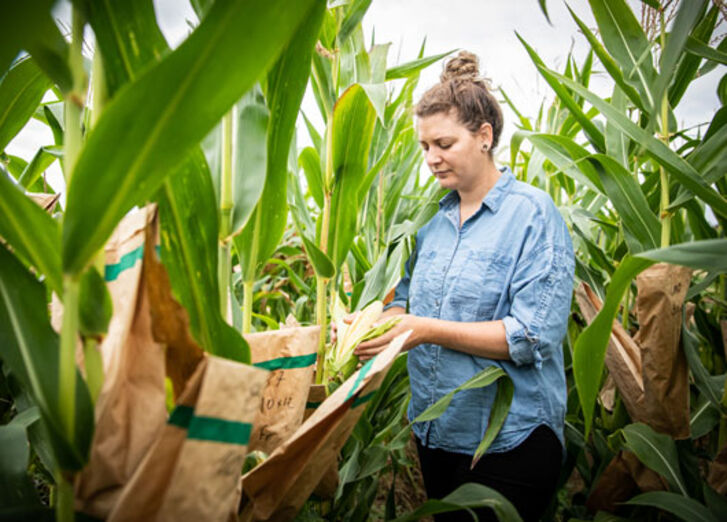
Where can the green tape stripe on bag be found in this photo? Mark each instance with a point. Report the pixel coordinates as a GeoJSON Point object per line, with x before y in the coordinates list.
{"type": "Point", "coordinates": [128, 260]}
{"type": "Point", "coordinates": [361, 374]}
{"type": "Point", "coordinates": [358, 401]}
{"type": "Point", "coordinates": [210, 428]}
{"type": "Point", "coordinates": [288, 363]}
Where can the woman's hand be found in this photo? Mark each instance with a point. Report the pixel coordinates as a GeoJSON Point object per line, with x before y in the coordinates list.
{"type": "Point", "coordinates": [370, 348]}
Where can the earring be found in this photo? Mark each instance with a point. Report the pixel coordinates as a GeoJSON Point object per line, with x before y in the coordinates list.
{"type": "Point", "coordinates": [485, 147]}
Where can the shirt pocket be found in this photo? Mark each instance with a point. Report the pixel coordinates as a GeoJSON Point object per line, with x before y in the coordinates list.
{"type": "Point", "coordinates": [480, 284]}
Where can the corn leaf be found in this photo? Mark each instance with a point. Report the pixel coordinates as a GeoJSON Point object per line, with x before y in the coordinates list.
{"type": "Point", "coordinates": [310, 162]}
{"type": "Point", "coordinates": [285, 88]}
{"type": "Point", "coordinates": [590, 348]}
{"type": "Point", "coordinates": [188, 216]}
{"type": "Point", "coordinates": [31, 232]}
{"type": "Point", "coordinates": [251, 165]}
{"type": "Point", "coordinates": [626, 42]}
{"type": "Point", "coordinates": [28, 25]}
{"type": "Point", "coordinates": [656, 451]}
{"type": "Point", "coordinates": [353, 125]}
{"type": "Point", "coordinates": [30, 349]}
{"type": "Point", "coordinates": [405, 70]}
{"type": "Point", "coordinates": [608, 62]}
{"type": "Point", "coordinates": [17, 488]}
{"type": "Point", "coordinates": [710, 386]}
{"type": "Point", "coordinates": [466, 496]}
{"type": "Point", "coordinates": [130, 41]}
{"type": "Point", "coordinates": [148, 122]}
{"type": "Point", "coordinates": [21, 90]}
{"type": "Point", "coordinates": [687, 17]}
{"type": "Point", "coordinates": [567, 156]}
{"type": "Point", "coordinates": [498, 413]}
{"type": "Point", "coordinates": [678, 167]}
{"type": "Point", "coordinates": [42, 159]}
{"type": "Point", "coordinates": [703, 50]}
{"type": "Point", "coordinates": [595, 136]}
{"type": "Point", "coordinates": [629, 201]}
{"type": "Point", "coordinates": [689, 62]}
{"type": "Point", "coordinates": [685, 508]}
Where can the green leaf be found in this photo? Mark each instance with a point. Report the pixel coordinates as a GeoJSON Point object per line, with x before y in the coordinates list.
{"type": "Point", "coordinates": [567, 156]}
{"type": "Point", "coordinates": [95, 305]}
{"type": "Point", "coordinates": [16, 489]}
{"type": "Point", "coordinates": [689, 62]}
{"type": "Point", "coordinates": [251, 165]}
{"type": "Point", "coordinates": [30, 349]}
{"type": "Point", "coordinates": [21, 90]}
{"type": "Point", "coordinates": [608, 62]}
{"type": "Point", "coordinates": [626, 42]}
{"type": "Point", "coordinates": [498, 414]}
{"type": "Point", "coordinates": [311, 164]}
{"type": "Point", "coordinates": [354, 14]}
{"type": "Point", "coordinates": [353, 125]}
{"type": "Point", "coordinates": [687, 17]}
{"type": "Point", "coordinates": [468, 495]}
{"type": "Point", "coordinates": [685, 508]}
{"type": "Point", "coordinates": [703, 419]}
{"type": "Point", "coordinates": [656, 451]}
{"type": "Point", "coordinates": [595, 136]}
{"type": "Point", "coordinates": [131, 41]}
{"type": "Point", "coordinates": [482, 379]}
{"type": "Point", "coordinates": [711, 387]}
{"type": "Point", "coordinates": [127, 36]}
{"type": "Point", "coordinates": [544, 10]}
{"type": "Point", "coordinates": [322, 264]}
{"type": "Point", "coordinates": [40, 162]}
{"type": "Point", "coordinates": [189, 239]}
{"type": "Point", "coordinates": [629, 201]}
{"type": "Point", "coordinates": [590, 348]}
{"type": "Point", "coordinates": [285, 87]}
{"type": "Point", "coordinates": [31, 232]}
{"type": "Point", "coordinates": [409, 69]}
{"type": "Point", "coordinates": [677, 166]}
{"type": "Point", "coordinates": [703, 50]}
{"type": "Point", "coordinates": [148, 122]}
{"type": "Point", "coordinates": [28, 25]}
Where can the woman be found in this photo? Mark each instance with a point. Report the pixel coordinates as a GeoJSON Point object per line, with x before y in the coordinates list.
{"type": "Point", "coordinates": [491, 285]}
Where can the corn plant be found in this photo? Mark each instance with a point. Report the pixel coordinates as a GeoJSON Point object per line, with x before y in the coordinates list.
{"type": "Point", "coordinates": [635, 189]}
{"type": "Point", "coordinates": [139, 137]}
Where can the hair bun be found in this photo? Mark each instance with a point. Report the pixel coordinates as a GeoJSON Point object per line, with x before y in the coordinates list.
{"type": "Point", "coordinates": [464, 66]}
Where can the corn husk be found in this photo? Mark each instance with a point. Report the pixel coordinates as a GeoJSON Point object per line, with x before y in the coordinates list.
{"type": "Point", "coordinates": [341, 361]}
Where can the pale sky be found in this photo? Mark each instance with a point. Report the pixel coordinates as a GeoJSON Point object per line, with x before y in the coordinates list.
{"type": "Point", "coordinates": [484, 27]}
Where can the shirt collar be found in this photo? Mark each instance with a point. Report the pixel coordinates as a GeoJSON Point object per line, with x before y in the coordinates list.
{"type": "Point", "coordinates": [493, 199]}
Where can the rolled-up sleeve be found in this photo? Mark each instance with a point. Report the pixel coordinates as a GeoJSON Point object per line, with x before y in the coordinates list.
{"type": "Point", "coordinates": [540, 297]}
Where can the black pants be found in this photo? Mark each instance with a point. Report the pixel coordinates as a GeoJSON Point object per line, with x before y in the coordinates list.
{"type": "Point", "coordinates": [526, 475]}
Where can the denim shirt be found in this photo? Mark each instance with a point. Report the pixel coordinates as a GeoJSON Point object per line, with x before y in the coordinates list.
{"type": "Point", "coordinates": [512, 261]}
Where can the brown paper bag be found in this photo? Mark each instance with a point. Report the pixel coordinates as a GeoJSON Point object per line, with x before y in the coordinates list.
{"type": "Point", "coordinates": [170, 322]}
{"type": "Point", "coordinates": [624, 476]}
{"type": "Point", "coordinates": [290, 356]}
{"type": "Point", "coordinates": [130, 409]}
{"type": "Point", "coordinates": [661, 292]}
{"type": "Point", "coordinates": [623, 356]}
{"type": "Point", "coordinates": [193, 469]}
{"type": "Point", "coordinates": [278, 488]}
{"type": "Point", "coordinates": [650, 369]}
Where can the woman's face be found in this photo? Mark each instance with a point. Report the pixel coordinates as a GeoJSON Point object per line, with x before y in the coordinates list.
{"type": "Point", "coordinates": [453, 153]}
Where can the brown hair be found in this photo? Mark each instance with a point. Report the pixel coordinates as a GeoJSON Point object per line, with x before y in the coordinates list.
{"type": "Point", "coordinates": [461, 88]}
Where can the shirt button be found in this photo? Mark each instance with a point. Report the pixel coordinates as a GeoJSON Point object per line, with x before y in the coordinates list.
{"type": "Point", "coordinates": [436, 302]}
